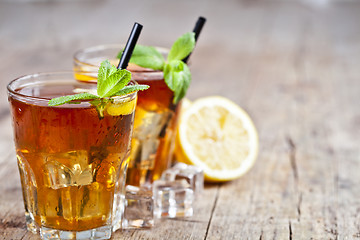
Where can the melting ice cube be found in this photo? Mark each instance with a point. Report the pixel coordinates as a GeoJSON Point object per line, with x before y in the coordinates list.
{"type": "Point", "coordinates": [173, 199]}
{"type": "Point", "coordinates": [139, 207]}
{"type": "Point", "coordinates": [192, 174]}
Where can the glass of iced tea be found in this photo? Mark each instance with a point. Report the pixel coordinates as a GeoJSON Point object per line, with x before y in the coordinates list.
{"type": "Point", "coordinates": [155, 116]}
{"type": "Point", "coordinates": [72, 161]}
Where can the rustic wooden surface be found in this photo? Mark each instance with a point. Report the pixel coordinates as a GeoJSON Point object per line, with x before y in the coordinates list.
{"type": "Point", "coordinates": [293, 65]}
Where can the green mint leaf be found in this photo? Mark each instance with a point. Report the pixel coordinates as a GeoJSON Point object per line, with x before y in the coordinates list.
{"type": "Point", "coordinates": [178, 77]}
{"type": "Point", "coordinates": [147, 57]}
{"type": "Point", "coordinates": [106, 69]}
{"type": "Point", "coordinates": [111, 82]}
{"type": "Point", "coordinates": [182, 47]}
{"type": "Point", "coordinates": [130, 89]}
{"type": "Point", "coordinates": [67, 99]}
{"type": "Point", "coordinates": [111, 79]}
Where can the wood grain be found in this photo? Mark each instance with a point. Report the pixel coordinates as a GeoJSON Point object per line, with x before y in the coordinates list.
{"type": "Point", "coordinates": [293, 65]}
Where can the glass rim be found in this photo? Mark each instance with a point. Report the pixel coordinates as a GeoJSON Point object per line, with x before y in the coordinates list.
{"type": "Point", "coordinates": [106, 47]}
{"type": "Point", "coordinates": [12, 92]}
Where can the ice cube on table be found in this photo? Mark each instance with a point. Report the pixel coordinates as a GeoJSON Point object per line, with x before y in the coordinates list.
{"type": "Point", "coordinates": [173, 199]}
{"type": "Point", "coordinates": [139, 208]}
{"type": "Point", "coordinates": [192, 174]}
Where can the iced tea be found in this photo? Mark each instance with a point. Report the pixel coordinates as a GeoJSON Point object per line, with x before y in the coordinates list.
{"type": "Point", "coordinates": [71, 160]}
{"type": "Point", "coordinates": [154, 129]}
{"type": "Point", "coordinates": [155, 116]}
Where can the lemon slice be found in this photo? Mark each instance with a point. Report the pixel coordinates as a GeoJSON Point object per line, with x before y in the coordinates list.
{"type": "Point", "coordinates": [122, 107]}
{"type": "Point", "coordinates": [218, 136]}
{"type": "Point", "coordinates": [185, 104]}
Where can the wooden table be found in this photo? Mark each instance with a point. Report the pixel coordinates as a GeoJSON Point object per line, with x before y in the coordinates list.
{"type": "Point", "coordinates": [293, 65]}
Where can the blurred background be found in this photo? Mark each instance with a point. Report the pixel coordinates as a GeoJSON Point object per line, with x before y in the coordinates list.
{"type": "Point", "coordinates": [242, 41]}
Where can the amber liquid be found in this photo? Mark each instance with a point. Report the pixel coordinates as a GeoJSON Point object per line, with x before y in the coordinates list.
{"type": "Point", "coordinates": [154, 133]}
{"type": "Point", "coordinates": [154, 125]}
{"type": "Point", "coordinates": [69, 160]}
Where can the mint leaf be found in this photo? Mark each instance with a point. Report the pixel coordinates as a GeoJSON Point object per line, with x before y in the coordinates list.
{"type": "Point", "coordinates": [147, 57]}
{"type": "Point", "coordinates": [111, 82]}
{"type": "Point", "coordinates": [66, 99]}
{"type": "Point", "coordinates": [130, 89]}
{"type": "Point", "coordinates": [182, 47]}
{"type": "Point", "coordinates": [106, 69]}
{"type": "Point", "coordinates": [114, 81]}
{"type": "Point", "coordinates": [178, 77]}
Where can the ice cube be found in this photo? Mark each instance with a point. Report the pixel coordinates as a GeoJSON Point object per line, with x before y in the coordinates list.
{"type": "Point", "coordinates": [192, 174]}
{"type": "Point", "coordinates": [151, 123]}
{"type": "Point", "coordinates": [148, 152]}
{"type": "Point", "coordinates": [143, 153]}
{"type": "Point", "coordinates": [139, 207]}
{"type": "Point", "coordinates": [148, 127]}
{"type": "Point", "coordinates": [173, 199]}
{"type": "Point", "coordinates": [135, 153]}
{"type": "Point", "coordinates": [67, 169]}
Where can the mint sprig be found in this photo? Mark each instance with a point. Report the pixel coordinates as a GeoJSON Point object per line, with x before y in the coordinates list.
{"type": "Point", "coordinates": [176, 73]}
{"type": "Point", "coordinates": [111, 82]}
{"type": "Point", "coordinates": [182, 47]}
{"type": "Point", "coordinates": [66, 99]}
{"type": "Point", "coordinates": [177, 76]}
{"type": "Point", "coordinates": [146, 56]}
{"type": "Point", "coordinates": [132, 88]}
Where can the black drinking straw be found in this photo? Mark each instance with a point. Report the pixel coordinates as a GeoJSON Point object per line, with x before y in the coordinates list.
{"type": "Point", "coordinates": [197, 29]}
{"type": "Point", "coordinates": [130, 45]}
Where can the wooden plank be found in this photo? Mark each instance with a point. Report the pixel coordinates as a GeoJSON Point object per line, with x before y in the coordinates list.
{"type": "Point", "coordinates": [345, 125]}
{"type": "Point", "coordinates": [12, 218]}
{"type": "Point", "coordinates": [292, 66]}
{"type": "Point", "coordinates": [194, 227]}
{"type": "Point", "coordinates": [315, 168]}
{"type": "Point", "coordinates": [269, 187]}
{"type": "Point", "coordinates": [306, 100]}
{"type": "Point", "coordinates": [324, 124]}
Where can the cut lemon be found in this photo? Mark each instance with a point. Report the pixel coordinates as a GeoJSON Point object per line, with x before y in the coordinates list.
{"type": "Point", "coordinates": [121, 107]}
{"type": "Point", "coordinates": [185, 104]}
{"type": "Point", "coordinates": [218, 136]}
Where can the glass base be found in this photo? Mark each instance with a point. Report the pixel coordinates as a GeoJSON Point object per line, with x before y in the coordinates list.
{"type": "Point", "coordinates": [30, 223]}
{"type": "Point", "coordinates": [49, 233]}
{"type": "Point", "coordinates": [96, 233]}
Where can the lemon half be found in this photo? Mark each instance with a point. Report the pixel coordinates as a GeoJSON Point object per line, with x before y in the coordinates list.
{"type": "Point", "coordinates": [218, 136]}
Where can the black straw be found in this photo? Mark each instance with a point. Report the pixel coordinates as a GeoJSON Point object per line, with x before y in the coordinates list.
{"type": "Point", "coordinates": [130, 45]}
{"type": "Point", "coordinates": [197, 29]}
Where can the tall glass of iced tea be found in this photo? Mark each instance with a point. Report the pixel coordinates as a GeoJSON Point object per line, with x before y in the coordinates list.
{"type": "Point", "coordinates": [72, 162]}
{"type": "Point", "coordinates": [155, 117]}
